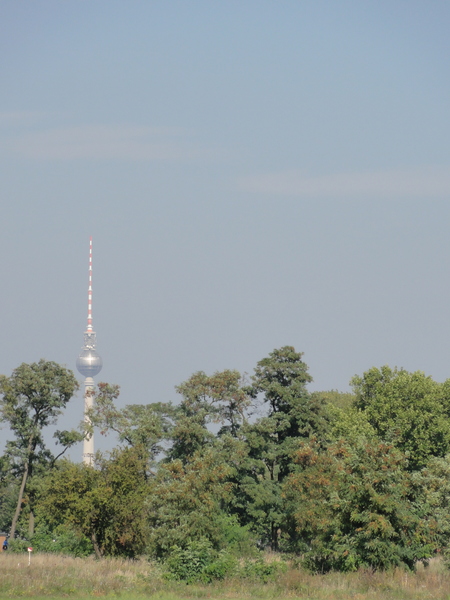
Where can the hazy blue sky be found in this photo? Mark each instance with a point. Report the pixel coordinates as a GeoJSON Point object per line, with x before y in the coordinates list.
{"type": "Point", "coordinates": [254, 174]}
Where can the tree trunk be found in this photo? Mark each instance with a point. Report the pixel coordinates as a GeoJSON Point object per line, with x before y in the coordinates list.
{"type": "Point", "coordinates": [12, 531]}
{"type": "Point", "coordinates": [274, 537]}
{"type": "Point", "coordinates": [31, 524]}
{"type": "Point", "coordinates": [97, 550]}
{"type": "Point", "coordinates": [19, 502]}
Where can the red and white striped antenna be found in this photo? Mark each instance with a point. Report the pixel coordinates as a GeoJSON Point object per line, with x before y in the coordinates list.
{"type": "Point", "coordinates": [89, 317]}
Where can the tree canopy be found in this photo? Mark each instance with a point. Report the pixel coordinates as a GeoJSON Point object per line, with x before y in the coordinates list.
{"type": "Point", "coordinates": [241, 463]}
{"type": "Point", "coordinates": [410, 410]}
{"type": "Point", "coordinates": [32, 398]}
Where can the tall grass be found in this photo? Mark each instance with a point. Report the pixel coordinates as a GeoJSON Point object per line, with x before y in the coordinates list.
{"type": "Point", "coordinates": [51, 574]}
{"type": "Point", "coordinates": [62, 577]}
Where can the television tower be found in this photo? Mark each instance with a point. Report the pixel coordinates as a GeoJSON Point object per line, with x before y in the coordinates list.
{"type": "Point", "coordinates": [89, 364]}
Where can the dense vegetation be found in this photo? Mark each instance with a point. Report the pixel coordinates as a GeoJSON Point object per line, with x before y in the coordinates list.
{"type": "Point", "coordinates": [61, 577]}
{"type": "Point", "coordinates": [338, 481]}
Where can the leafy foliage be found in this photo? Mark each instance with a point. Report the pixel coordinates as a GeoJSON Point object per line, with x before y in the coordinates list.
{"type": "Point", "coordinates": [198, 560]}
{"type": "Point", "coordinates": [9, 491]}
{"type": "Point", "coordinates": [216, 399]}
{"type": "Point", "coordinates": [184, 502]}
{"type": "Point", "coordinates": [142, 427]}
{"type": "Point", "coordinates": [262, 570]}
{"type": "Point", "coordinates": [293, 413]}
{"type": "Point", "coordinates": [410, 410]}
{"type": "Point", "coordinates": [352, 507]}
{"type": "Point", "coordinates": [61, 540]}
{"type": "Point", "coordinates": [105, 504]}
{"type": "Point", "coordinates": [344, 481]}
{"type": "Point", "coordinates": [32, 398]}
{"type": "Point", "coordinates": [433, 488]}
{"type": "Point", "coordinates": [350, 424]}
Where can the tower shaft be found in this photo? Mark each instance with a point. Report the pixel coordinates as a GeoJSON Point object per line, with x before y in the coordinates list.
{"type": "Point", "coordinates": [89, 364]}
{"type": "Point", "coordinates": [88, 442]}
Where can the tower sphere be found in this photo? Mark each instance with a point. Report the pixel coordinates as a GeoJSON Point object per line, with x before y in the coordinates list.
{"type": "Point", "coordinates": [89, 362]}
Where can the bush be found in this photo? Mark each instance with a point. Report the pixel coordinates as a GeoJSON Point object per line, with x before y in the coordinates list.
{"type": "Point", "coordinates": [224, 565]}
{"type": "Point", "coordinates": [18, 545]}
{"type": "Point", "coordinates": [236, 538]}
{"type": "Point", "coordinates": [198, 561]}
{"type": "Point", "coordinates": [61, 540]}
{"type": "Point", "coordinates": [261, 570]}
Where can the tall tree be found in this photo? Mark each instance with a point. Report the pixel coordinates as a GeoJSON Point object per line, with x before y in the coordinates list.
{"type": "Point", "coordinates": [186, 499]}
{"type": "Point", "coordinates": [217, 399]}
{"type": "Point", "coordinates": [32, 398]}
{"type": "Point", "coordinates": [293, 414]}
{"type": "Point", "coordinates": [282, 378]}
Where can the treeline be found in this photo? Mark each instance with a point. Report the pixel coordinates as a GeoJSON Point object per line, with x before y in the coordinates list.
{"type": "Point", "coordinates": [341, 481]}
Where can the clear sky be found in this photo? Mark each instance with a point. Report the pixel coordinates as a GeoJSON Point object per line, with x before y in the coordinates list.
{"type": "Point", "coordinates": [254, 174]}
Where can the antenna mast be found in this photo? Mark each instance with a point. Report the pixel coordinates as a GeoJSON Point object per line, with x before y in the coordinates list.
{"type": "Point", "coordinates": [89, 318]}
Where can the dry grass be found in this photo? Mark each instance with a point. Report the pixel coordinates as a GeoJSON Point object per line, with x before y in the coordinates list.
{"type": "Point", "coordinates": [56, 575]}
{"type": "Point", "coordinates": [430, 583]}
{"type": "Point", "coordinates": [62, 577]}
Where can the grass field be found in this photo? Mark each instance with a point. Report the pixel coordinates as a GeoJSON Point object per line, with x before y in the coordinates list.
{"type": "Point", "coordinates": [51, 576]}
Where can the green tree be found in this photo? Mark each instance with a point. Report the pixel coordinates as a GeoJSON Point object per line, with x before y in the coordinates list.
{"type": "Point", "coordinates": [185, 502]}
{"type": "Point", "coordinates": [334, 398]}
{"type": "Point", "coordinates": [32, 398]}
{"type": "Point", "coordinates": [218, 399]}
{"type": "Point", "coordinates": [105, 504]}
{"type": "Point", "coordinates": [282, 378]}
{"type": "Point", "coordinates": [356, 506]}
{"type": "Point", "coordinates": [433, 488]}
{"type": "Point", "coordinates": [410, 410]}
{"type": "Point", "coordinates": [143, 427]}
{"type": "Point", "coordinates": [350, 424]}
{"type": "Point", "coordinates": [9, 490]}
{"type": "Point", "coordinates": [293, 414]}
{"type": "Point", "coordinates": [257, 499]}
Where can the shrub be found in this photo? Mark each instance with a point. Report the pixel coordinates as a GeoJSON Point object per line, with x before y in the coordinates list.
{"type": "Point", "coordinates": [18, 545]}
{"type": "Point", "coordinates": [261, 570]}
{"type": "Point", "coordinates": [188, 563]}
{"type": "Point", "coordinates": [198, 561]}
{"type": "Point", "coordinates": [61, 540]}
{"type": "Point", "coordinates": [236, 538]}
{"type": "Point", "coordinates": [224, 565]}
